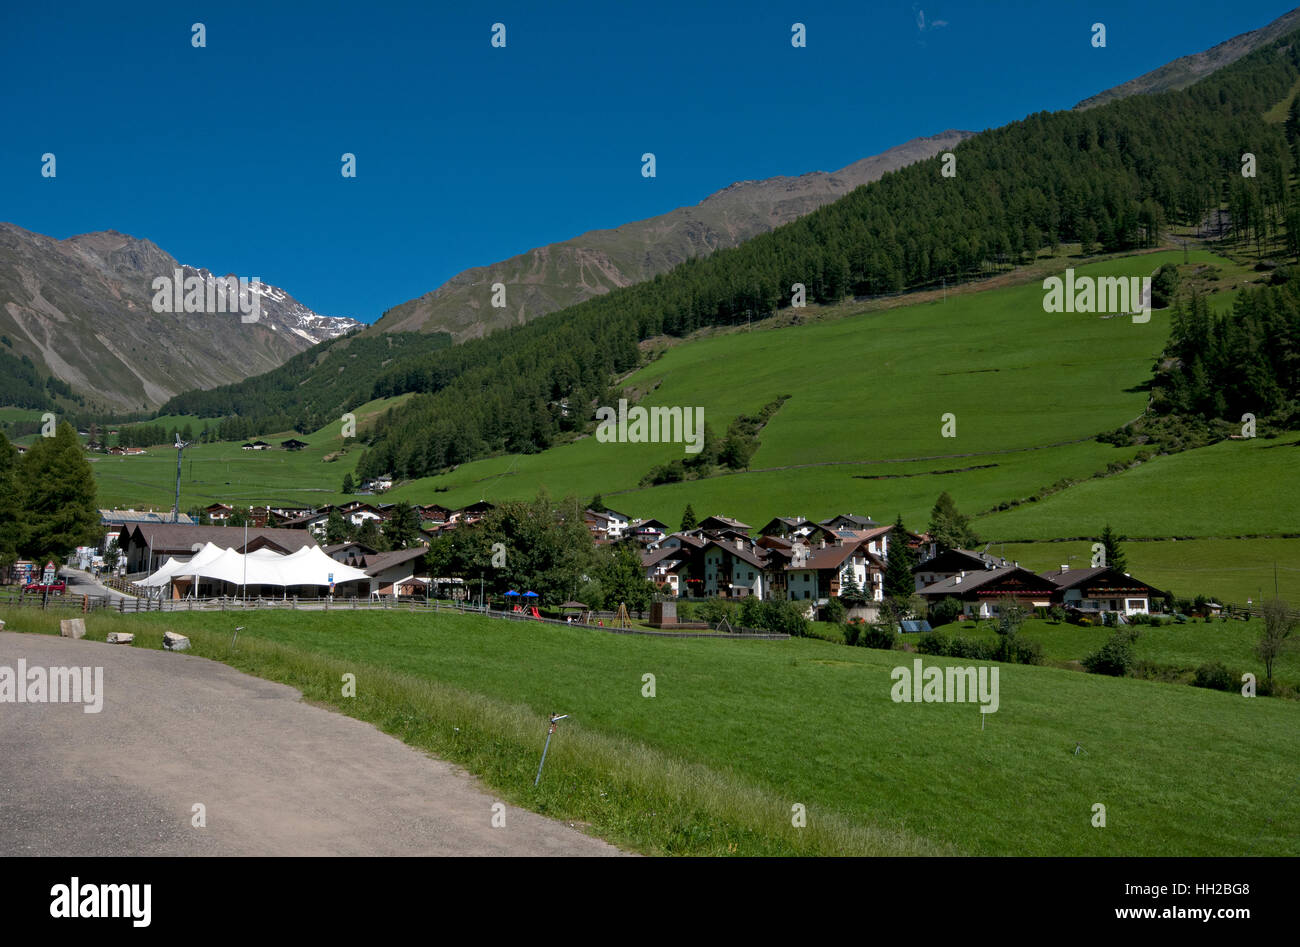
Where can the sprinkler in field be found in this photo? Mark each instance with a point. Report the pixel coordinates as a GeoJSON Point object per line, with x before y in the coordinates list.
{"type": "Point", "coordinates": [555, 718]}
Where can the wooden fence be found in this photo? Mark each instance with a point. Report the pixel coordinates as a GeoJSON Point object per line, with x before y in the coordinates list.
{"type": "Point", "coordinates": [139, 605]}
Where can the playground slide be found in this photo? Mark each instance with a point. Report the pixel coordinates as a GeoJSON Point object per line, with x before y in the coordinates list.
{"type": "Point", "coordinates": [534, 612]}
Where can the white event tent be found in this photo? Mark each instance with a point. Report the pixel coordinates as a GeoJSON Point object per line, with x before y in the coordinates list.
{"type": "Point", "coordinates": [308, 567]}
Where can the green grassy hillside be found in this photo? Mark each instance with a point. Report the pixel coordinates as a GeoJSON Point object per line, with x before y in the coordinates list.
{"type": "Point", "coordinates": [868, 392]}
{"type": "Point", "coordinates": [223, 472]}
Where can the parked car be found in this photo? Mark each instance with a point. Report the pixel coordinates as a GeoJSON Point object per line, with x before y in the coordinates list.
{"type": "Point", "coordinates": [57, 587]}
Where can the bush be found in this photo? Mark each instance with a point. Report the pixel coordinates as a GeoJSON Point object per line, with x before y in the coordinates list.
{"type": "Point", "coordinates": [932, 642]}
{"type": "Point", "coordinates": [834, 611]}
{"type": "Point", "coordinates": [944, 612]}
{"type": "Point", "coordinates": [1115, 657]}
{"type": "Point", "coordinates": [1214, 676]}
{"type": "Point", "coordinates": [880, 637]}
{"type": "Point", "coordinates": [977, 649]}
{"type": "Point", "coordinates": [852, 632]}
{"type": "Point", "coordinates": [1057, 613]}
{"type": "Point", "coordinates": [750, 613]}
{"type": "Point", "coordinates": [713, 610]}
{"type": "Point", "coordinates": [785, 618]}
{"type": "Point", "coordinates": [1016, 650]}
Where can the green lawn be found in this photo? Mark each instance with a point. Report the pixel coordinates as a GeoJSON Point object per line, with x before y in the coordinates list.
{"type": "Point", "coordinates": [739, 732]}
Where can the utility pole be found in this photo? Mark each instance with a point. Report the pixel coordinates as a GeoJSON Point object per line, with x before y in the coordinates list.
{"type": "Point", "coordinates": [180, 447]}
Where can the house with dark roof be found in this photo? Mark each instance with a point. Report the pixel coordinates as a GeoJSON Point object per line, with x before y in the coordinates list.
{"type": "Point", "coordinates": [218, 512]}
{"type": "Point", "coordinates": [149, 545]}
{"type": "Point", "coordinates": [598, 525]}
{"type": "Point", "coordinates": [1102, 589]}
{"type": "Point", "coordinates": [617, 523]}
{"type": "Point", "coordinates": [468, 515]}
{"type": "Point", "coordinates": [433, 513]}
{"type": "Point", "coordinates": [948, 563]}
{"type": "Point", "coordinates": [723, 524]}
{"type": "Point", "coordinates": [982, 591]}
{"type": "Point", "coordinates": [648, 532]}
{"type": "Point", "coordinates": [825, 572]}
{"type": "Point", "coordinates": [849, 521]}
{"type": "Point", "coordinates": [294, 444]}
{"type": "Point", "coordinates": [733, 567]}
{"type": "Point", "coordinates": [661, 567]}
{"type": "Point", "coordinates": [788, 527]}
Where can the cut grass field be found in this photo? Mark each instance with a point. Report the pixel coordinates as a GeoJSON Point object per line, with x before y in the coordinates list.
{"type": "Point", "coordinates": [739, 732]}
{"type": "Point", "coordinates": [224, 472]}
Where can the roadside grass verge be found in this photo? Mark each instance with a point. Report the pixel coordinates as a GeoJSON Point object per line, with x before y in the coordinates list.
{"type": "Point", "coordinates": [630, 794]}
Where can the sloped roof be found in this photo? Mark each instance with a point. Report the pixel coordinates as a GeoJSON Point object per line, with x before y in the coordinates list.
{"type": "Point", "coordinates": [377, 563]}
{"type": "Point", "coordinates": [958, 584]}
{"type": "Point", "coordinates": [183, 537]}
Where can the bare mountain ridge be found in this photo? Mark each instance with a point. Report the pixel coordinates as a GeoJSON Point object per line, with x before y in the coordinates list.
{"type": "Point", "coordinates": [562, 274]}
{"type": "Point", "coordinates": [1186, 70]}
{"type": "Point", "coordinates": [82, 307]}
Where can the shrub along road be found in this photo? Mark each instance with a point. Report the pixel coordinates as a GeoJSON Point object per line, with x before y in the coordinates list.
{"type": "Point", "coordinates": [276, 776]}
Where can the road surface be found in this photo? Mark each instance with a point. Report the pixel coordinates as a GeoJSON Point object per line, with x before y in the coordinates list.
{"type": "Point", "coordinates": [276, 776]}
{"type": "Point", "coordinates": [83, 583]}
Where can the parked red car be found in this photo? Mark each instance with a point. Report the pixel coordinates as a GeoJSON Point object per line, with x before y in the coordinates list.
{"type": "Point", "coordinates": [57, 587]}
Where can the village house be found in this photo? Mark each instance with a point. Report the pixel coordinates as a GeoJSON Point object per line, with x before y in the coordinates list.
{"type": "Point", "coordinates": [386, 569]}
{"type": "Point", "coordinates": [598, 525]}
{"type": "Point", "coordinates": [981, 591]}
{"type": "Point", "coordinates": [661, 568]}
{"type": "Point", "coordinates": [723, 524]}
{"type": "Point", "coordinates": [146, 546]}
{"type": "Point", "coordinates": [1101, 589]}
{"type": "Point", "coordinates": [948, 563]}
{"type": "Point", "coordinates": [788, 527]}
{"type": "Point", "coordinates": [218, 512]}
{"type": "Point", "coordinates": [469, 515]}
{"type": "Point", "coordinates": [618, 524]}
{"type": "Point", "coordinates": [648, 532]}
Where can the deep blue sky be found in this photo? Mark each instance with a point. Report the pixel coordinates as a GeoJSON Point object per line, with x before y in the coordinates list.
{"type": "Point", "coordinates": [229, 156]}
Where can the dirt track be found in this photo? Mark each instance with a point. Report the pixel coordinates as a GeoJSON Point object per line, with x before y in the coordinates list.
{"type": "Point", "coordinates": [277, 776]}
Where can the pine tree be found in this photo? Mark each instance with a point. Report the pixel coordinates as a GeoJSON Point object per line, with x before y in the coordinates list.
{"type": "Point", "coordinates": [1110, 543]}
{"type": "Point", "coordinates": [349, 486]}
{"type": "Point", "coordinates": [898, 564]}
{"type": "Point", "coordinates": [403, 526]}
{"type": "Point", "coordinates": [948, 527]}
{"type": "Point", "coordinates": [56, 489]}
{"type": "Point", "coordinates": [336, 528]}
{"type": "Point", "coordinates": [688, 519]}
{"type": "Point", "coordinates": [10, 520]}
